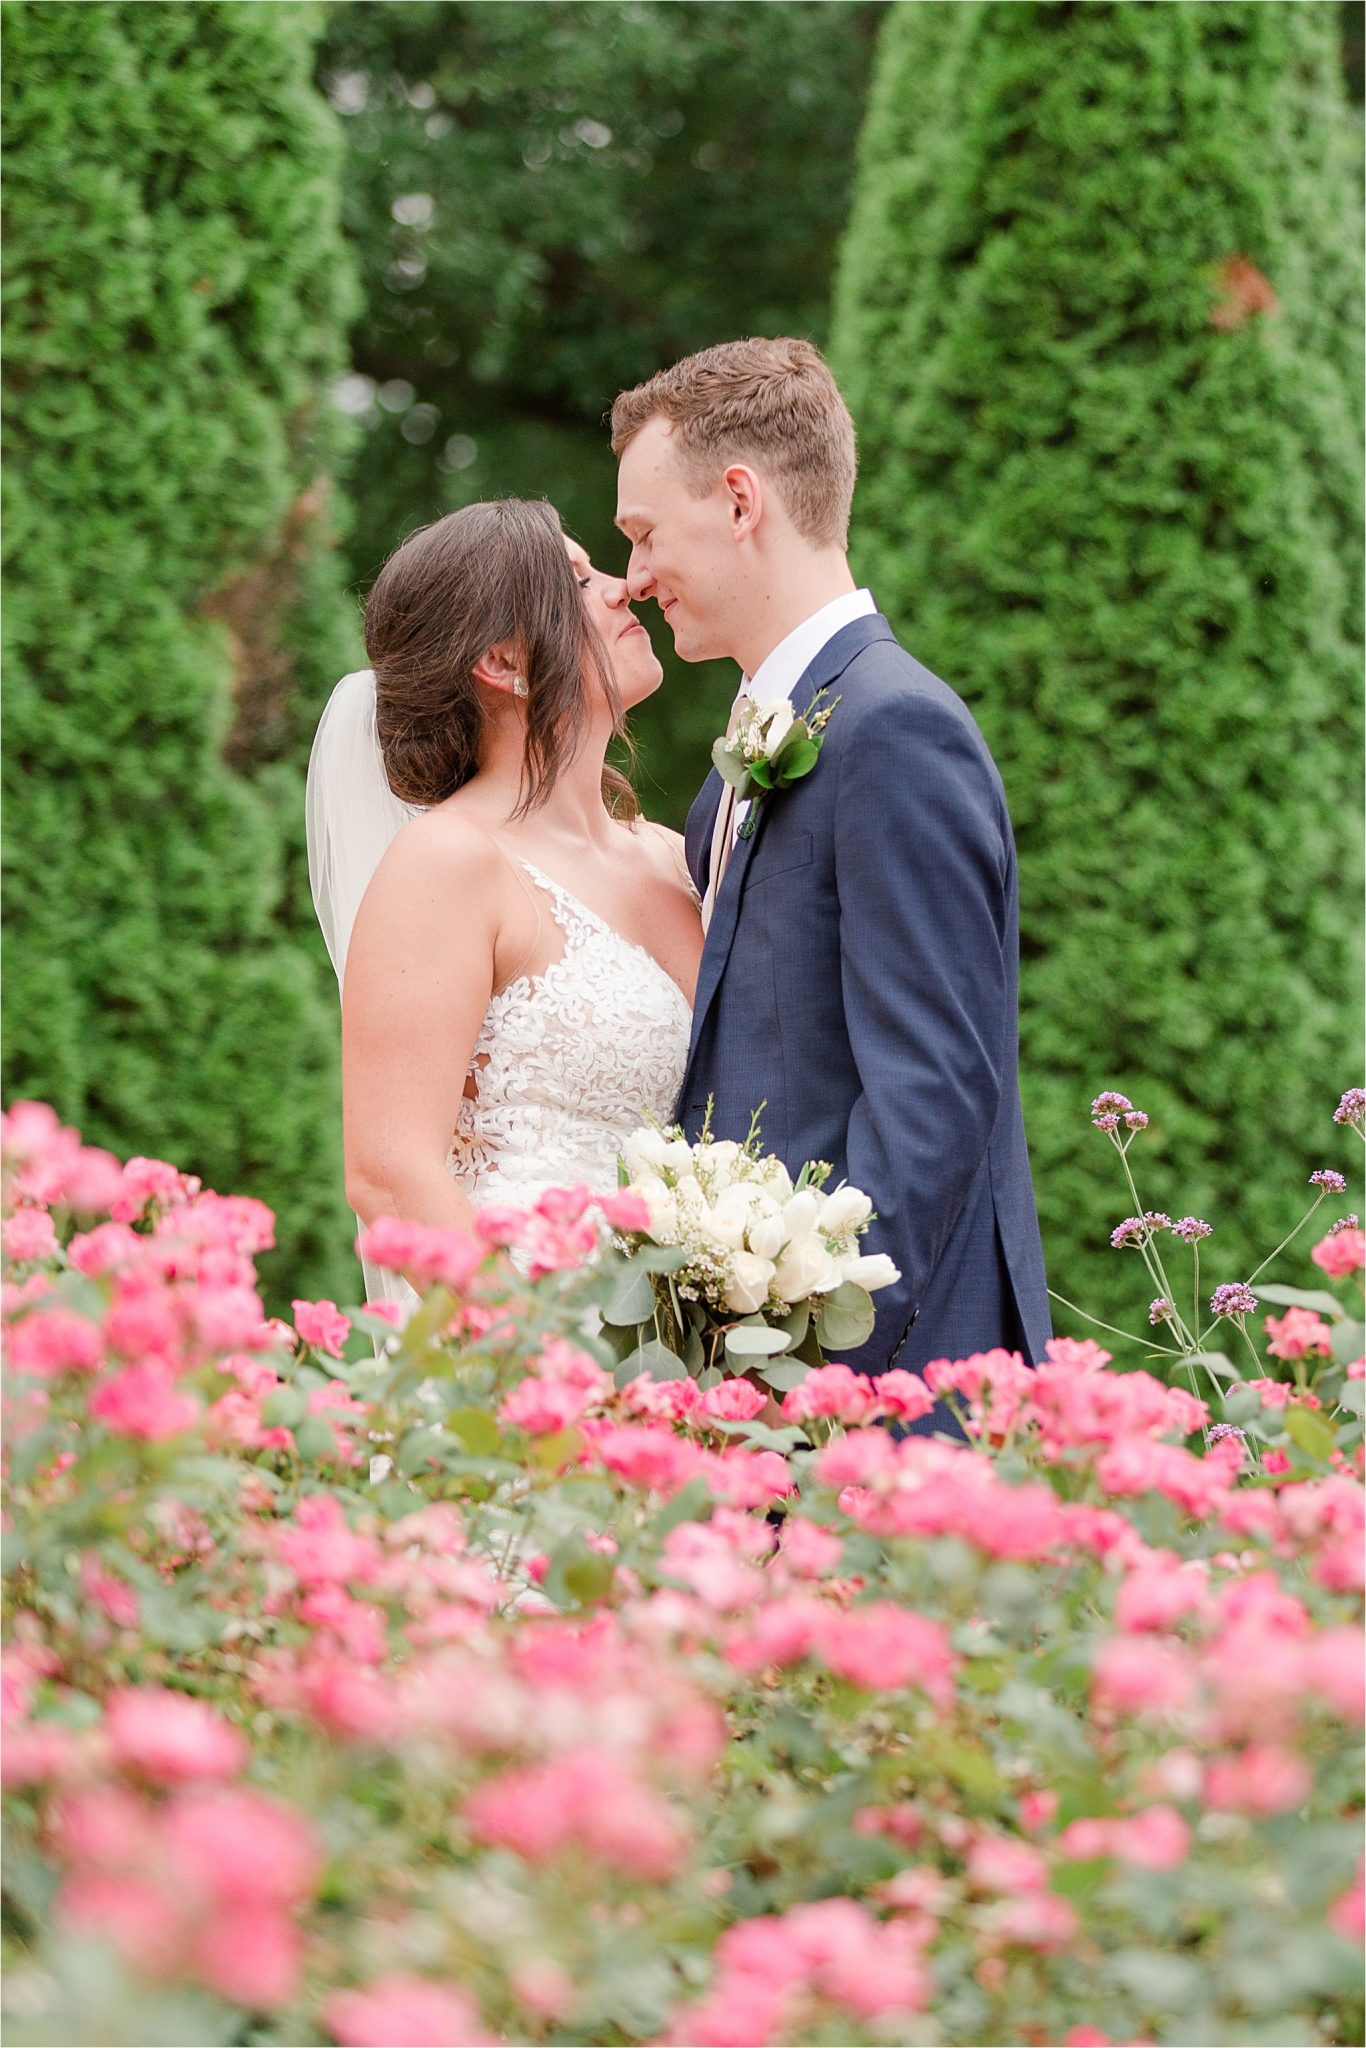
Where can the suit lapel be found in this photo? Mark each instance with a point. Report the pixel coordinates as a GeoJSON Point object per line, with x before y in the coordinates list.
{"type": "Point", "coordinates": [698, 830]}
{"type": "Point", "coordinates": [830, 663]}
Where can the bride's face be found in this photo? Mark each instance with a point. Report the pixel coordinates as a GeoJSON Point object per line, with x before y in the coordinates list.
{"type": "Point", "coordinates": [634, 662]}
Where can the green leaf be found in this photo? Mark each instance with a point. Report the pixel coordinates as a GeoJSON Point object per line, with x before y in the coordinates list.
{"type": "Point", "coordinates": [313, 1438]}
{"type": "Point", "coordinates": [1349, 1340]}
{"type": "Point", "coordinates": [761, 774]}
{"type": "Point", "coordinates": [658, 1258]}
{"type": "Point", "coordinates": [477, 1431]}
{"type": "Point", "coordinates": [797, 1324]}
{"type": "Point", "coordinates": [782, 1373]}
{"type": "Point", "coordinates": [1353, 1396]}
{"type": "Point", "coordinates": [750, 1340]}
{"type": "Point", "coordinates": [1214, 1362]}
{"type": "Point", "coordinates": [1240, 1404]}
{"type": "Point", "coordinates": [633, 1298]}
{"type": "Point", "coordinates": [283, 1409]}
{"type": "Point", "coordinates": [844, 1318]}
{"type": "Point", "coordinates": [1310, 1431]}
{"type": "Point", "coordinates": [1302, 1297]}
{"type": "Point", "coordinates": [654, 1358]}
{"type": "Point", "coordinates": [728, 768]}
{"type": "Point", "coordinates": [418, 1448]}
{"type": "Point", "coordinates": [690, 1504]}
{"type": "Point", "coordinates": [797, 757]}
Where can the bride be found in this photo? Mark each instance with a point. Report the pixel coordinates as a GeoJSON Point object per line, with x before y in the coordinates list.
{"type": "Point", "coordinates": [517, 947]}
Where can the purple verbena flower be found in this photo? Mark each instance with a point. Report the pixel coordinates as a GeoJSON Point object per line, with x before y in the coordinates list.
{"type": "Point", "coordinates": [1226, 1429]}
{"type": "Point", "coordinates": [1352, 1107]}
{"type": "Point", "coordinates": [1160, 1311]}
{"type": "Point", "coordinates": [1327, 1178]}
{"type": "Point", "coordinates": [1190, 1229]}
{"type": "Point", "coordinates": [1111, 1107]}
{"type": "Point", "coordinates": [1234, 1298]}
{"type": "Point", "coordinates": [1108, 1122]}
{"type": "Point", "coordinates": [1345, 1223]}
{"type": "Point", "coordinates": [1136, 1120]}
{"type": "Point", "coordinates": [1157, 1219]}
{"type": "Point", "coordinates": [1130, 1231]}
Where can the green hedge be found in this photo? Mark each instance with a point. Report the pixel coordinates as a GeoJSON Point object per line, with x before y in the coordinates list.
{"type": "Point", "coordinates": [1111, 492]}
{"type": "Point", "coordinates": [178, 289]}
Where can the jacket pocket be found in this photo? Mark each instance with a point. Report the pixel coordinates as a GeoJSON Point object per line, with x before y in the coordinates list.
{"type": "Point", "coordinates": [793, 852]}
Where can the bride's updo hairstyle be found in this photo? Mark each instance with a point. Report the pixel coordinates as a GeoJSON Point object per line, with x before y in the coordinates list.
{"type": "Point", "coordinates": [486, 574]}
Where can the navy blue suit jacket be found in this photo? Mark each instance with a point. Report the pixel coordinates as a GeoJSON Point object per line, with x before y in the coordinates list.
{"type": "Point", "coordinates": [859, 979]}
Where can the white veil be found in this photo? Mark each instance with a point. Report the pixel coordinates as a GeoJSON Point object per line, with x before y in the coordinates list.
{"type": "Point", "coordinates": [352, 816]}
{"type": "Point", "coordinates": [352, 813]}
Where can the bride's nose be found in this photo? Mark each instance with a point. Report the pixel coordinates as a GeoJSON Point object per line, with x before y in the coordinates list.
{"type": "Point", "coordinates": [616, 593]}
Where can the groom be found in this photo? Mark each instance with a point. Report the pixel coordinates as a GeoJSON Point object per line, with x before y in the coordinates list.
{"type": "Point", "coordinates": [859, 976]}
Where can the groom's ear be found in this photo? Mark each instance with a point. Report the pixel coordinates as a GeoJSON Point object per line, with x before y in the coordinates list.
{"type": "Point", "coordinates": [744, 498]}
{"type": "Point", "coordinates": [499, 669]}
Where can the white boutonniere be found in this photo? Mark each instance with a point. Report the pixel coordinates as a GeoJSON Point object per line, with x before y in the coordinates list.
{"type": "Point", "coordinates": [768, 750]}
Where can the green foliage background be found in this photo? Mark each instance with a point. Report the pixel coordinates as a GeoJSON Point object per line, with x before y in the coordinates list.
{"type": "Point", "coordinates": [178, 288]}
{"type": "Point", "coordinates": [1125, 523]}
{"type": "Point", "coordinates": [607, 187]}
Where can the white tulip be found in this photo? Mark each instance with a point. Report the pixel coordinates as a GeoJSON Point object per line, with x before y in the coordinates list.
{"type": "Point", "coordinates": [768, 1235]}
{"type": "Point", "coordinates": [801, 1213]}
{"type": "Point", "coordinates": [806, 1267]}
{"type": "Point", "coordinates": [677, 1155]}
{"type": "Point", "coordinates": [870, 1270]}
{"type": "Point", "coordinates": [845, 1209]}
{"type": "Point", "coordinates": [750, 1280]}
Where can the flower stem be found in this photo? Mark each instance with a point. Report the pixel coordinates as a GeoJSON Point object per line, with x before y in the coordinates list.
{"type": "Point", "coordinates": [1127, 1335]}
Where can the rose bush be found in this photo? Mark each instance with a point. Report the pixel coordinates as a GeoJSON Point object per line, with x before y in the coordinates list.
{"type": "Point", "coordinates": [433, 1689]}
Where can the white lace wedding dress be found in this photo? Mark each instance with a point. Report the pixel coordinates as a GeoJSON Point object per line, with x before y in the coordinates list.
{"type": "Point", "coordinates": [568, 1063]}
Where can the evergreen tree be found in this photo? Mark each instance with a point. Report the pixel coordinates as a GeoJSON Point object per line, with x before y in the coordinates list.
{"type": "Point", "coordinates": [1098, 319]}
{"type": "Point", "coordinates": [178, 288]}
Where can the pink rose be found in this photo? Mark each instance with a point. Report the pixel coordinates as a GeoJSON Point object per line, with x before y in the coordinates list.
{"type": "Point", "coordinates": [322, 1324]}
{"type": "Point", "coordinates": [730, 1401]}
{"type": "Point", "coordinates": [404, 2008]}
{"type": "Point", "coordinates": [543, 1406]}
{"type": "Point", "coordinates": [143, 1401]}
{"type": "Point", "coordinates": [169, 1736]}
{"type": "Point", "coordinates": [1297, 1333]}
{"type": "Point", "coordinates": [1264, 1779]}
{"type": "Point", "coordinates": [1341, 1253]}
{"type": "Point", "coordinates": [29, 1234]}
{"type": "Point", "coordinates": [251, 1957]}
{"type": "Point", "coordinates": [52, 1341]}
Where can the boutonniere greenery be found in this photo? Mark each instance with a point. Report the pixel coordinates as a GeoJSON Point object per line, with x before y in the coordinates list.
{"type": "Point", "coordinates": [769, 750]}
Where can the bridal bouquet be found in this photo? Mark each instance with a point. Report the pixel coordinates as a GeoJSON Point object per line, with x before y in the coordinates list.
{"type": "Point", "coordinates": [741, 1268]}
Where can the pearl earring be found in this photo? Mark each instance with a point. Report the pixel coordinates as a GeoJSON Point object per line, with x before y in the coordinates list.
{"type": "Point", "coordinates": [519, 686]}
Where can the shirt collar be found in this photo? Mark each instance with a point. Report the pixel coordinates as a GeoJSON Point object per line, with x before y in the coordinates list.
{"type": "Point", "coordinates": [779, 672]}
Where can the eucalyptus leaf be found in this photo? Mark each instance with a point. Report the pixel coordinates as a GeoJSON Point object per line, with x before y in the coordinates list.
{"type": "Point", "coordinates": [782, 1373]}
{"type": "Point", "coordinates": [658, 1258]}
{"type": "Point", "coordinates": [654, 1358]}
{"type": "Point", "coordinates": [1353, 1396]}
{"type": "Point", "coordinates": [727, 767]}
{"type": "Point", "coordinates": [748, 1341]}
{"type": "Point", "coordinates": [632, 1300]}
{"type": "Point", "coordinates": [796, 757]}
{"type": "Point", "coordinates": [844, 1318]}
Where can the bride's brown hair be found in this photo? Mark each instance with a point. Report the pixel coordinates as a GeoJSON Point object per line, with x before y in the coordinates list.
{"type": "Point", "coordinates": [489, 573]}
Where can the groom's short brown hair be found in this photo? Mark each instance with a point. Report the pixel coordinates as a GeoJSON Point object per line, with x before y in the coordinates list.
{"type": "Point", "coordinates": [774, 403]}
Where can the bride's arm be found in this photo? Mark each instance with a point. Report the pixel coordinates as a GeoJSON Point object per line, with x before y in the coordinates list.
{"type": "Point", "coordinates": [419, 974]}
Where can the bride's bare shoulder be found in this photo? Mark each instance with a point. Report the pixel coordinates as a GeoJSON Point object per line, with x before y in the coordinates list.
{"type": "Point", "coordinates": [439, 848]}
{"type": "Point", "coordinates": [664, 849]}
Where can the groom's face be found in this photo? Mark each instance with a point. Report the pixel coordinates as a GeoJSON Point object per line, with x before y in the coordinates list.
{"type": "Point", "coordinates": [682, 554]}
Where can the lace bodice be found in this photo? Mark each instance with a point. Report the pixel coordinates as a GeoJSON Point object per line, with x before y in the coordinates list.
{"type": "Point", "coordinates": [568, 1063]}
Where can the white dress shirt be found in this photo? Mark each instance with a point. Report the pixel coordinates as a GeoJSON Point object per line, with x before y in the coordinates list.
{"type": "Point", "coordinates": [779, 672]}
